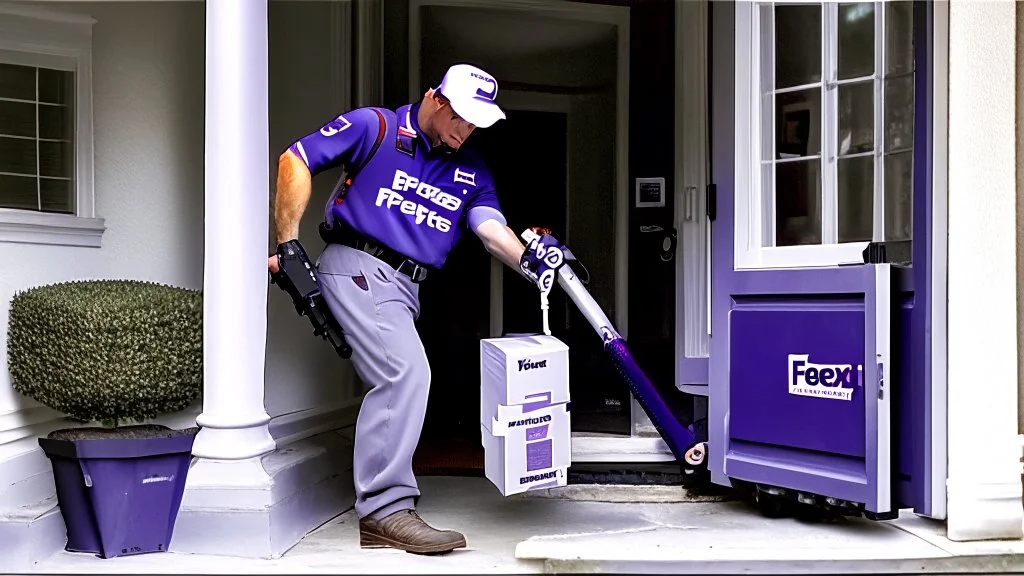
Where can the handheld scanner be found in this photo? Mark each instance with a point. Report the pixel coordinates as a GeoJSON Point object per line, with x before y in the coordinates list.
{"type": "Point", "coordinates": [297, 278]}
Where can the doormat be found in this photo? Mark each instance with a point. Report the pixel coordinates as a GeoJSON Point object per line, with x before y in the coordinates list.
{"type": "Point", "coordinates": [448, 457]}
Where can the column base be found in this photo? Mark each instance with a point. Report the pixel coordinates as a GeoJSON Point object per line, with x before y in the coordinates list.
{"type": "Point", "coordinates": [238, 443]}
{"type": "Point", "coordinates": [261, 507]}
{"type": "Point", "coordinates": [984, 510]}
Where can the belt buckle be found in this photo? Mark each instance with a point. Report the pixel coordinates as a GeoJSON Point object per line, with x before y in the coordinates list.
{"type": "Point", "coordinates": [414, 271]}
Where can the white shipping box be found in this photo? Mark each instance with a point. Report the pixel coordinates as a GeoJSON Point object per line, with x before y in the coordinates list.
{"type": "Point", "coordinates": [527, 450]}
{"type": "Point", "coordinates": [524, 412]}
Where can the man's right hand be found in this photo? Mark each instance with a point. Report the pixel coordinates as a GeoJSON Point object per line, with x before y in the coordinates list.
{"type": "Point", "coordinates": [287, 253]}
{"type": "Point", "coordinates": [274, 261]}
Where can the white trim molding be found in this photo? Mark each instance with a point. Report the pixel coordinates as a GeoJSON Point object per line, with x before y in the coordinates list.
{"type": "Point", "coordinates": [297, 426]}
{"type": "Point", "coordinates": [369, 50]}
{"type": "Point", "coordinates": [342, 72]}
{"type": "Point", "coordinates": [38, 36]}
{"type": "Point", "coordinates": [693, 252]}
{"type": "Point", "coordinates": [984, 450]}
{"type": "Point", "coordinates": [938, 310]}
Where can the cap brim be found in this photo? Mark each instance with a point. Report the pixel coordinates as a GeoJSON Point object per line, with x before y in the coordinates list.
{"type": "Point", "coordinates": [478, 112]}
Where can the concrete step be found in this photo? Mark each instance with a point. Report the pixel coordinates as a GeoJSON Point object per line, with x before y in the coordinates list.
{"type": "Point", "coordinates": [624, 493]}
{"type": "Point", "coordinates": [728, 538]}
{"type": "Point", "coordinates": [30, 534]}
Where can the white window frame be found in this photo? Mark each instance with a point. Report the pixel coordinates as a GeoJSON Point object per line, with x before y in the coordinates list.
{"type": "Point", "coordinates": [751, 216]}
{"type": "Point", "coordinates": [35, 36]}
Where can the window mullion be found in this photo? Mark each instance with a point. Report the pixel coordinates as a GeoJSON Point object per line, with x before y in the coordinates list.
{"type": "Point", "coordinates": [761, 202]}
{"type": "Point", "coordinates": [878, 225]}
{"type": "Point", "coordinates": [829, 119]}
{"type": "Point", "coordinates": [39, 180]}
{"type": "Point", "coordinates": [769, 202]}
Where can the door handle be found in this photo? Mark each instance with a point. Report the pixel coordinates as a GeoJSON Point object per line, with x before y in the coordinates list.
{"type": "Point", "coordinates": [690, 203]}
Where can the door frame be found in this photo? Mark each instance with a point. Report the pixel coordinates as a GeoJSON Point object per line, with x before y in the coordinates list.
{"type": "Point", "coordinates": [692, 176]}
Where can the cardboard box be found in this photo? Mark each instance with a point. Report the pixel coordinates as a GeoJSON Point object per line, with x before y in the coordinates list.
{"type": "Point", "coordinates": [527, 450]}
{"type": "Point", "coordinates": [524, 412]}
{"type": "Point", "coordinates": [522, 370]}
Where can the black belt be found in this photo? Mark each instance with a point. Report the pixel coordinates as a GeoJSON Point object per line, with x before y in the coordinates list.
{"type": "Point", "coordinates": [348, 237]}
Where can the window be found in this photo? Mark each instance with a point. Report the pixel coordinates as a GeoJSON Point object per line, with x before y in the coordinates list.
{"type": "Point", "coordinates": [37, 106]}
{"type": "Point", "coordinates": [825, 97]}
{"type": "Point", "coordinates": [46, 166]}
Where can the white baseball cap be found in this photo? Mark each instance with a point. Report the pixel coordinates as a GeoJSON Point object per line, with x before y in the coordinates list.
{"type": "Point", "coordinates": [472, 92]}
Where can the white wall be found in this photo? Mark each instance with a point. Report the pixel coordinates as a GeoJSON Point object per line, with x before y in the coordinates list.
{"type": "Point", "coordinates": [148, 126]}
{"type": "Point", "coordinates": [1020, 218]}
{"type": "Point", "coordinates": [148, 84]}
{"type": "Point", "coordinates": [984, 484]}
{"type": "Point", "coordinates": [308, 86]}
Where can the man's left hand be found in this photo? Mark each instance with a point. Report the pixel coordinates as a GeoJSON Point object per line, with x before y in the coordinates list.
{"type": "Point", "coordinates": [543, 257]}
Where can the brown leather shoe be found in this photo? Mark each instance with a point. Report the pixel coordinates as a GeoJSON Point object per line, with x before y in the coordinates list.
{"type": "Point", "coordinates": [405, 530]}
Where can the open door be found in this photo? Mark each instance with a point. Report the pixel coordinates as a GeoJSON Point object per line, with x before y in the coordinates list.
{"type": "Point", "coordinates": [820, 379]}
{"type": "Point", "coordinates": [809, 362]}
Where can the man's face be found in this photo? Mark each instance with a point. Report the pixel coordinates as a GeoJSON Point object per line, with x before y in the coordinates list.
{"type": "Point", "coordinates": [448, 127]}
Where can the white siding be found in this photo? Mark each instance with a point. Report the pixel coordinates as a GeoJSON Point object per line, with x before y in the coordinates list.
{"type": "Point", "coordinates": [148, 81]}
{"type": "Point", "coordinates": [148, 133]}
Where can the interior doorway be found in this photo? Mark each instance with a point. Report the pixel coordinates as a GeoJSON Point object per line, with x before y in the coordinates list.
{"type": "Point", "coordinates": [558, 161]}
{"type": "Point", "coordinates": [457, 299]}
{"type": "Point", "coordinates": [527, 155]}
{"type": "Point", "coordinates": [533, 191]}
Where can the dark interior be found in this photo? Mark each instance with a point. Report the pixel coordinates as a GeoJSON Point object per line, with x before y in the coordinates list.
{"type": "Point", "coordinates": [452, 327]}
{"type": "Point", "coordinates": [526, 168]}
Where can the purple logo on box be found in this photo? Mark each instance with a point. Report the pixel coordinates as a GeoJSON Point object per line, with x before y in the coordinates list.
{"type": "Point", "coordinates": [833, 381]}
{"type": "Point", "coordinates": [527, 364]}
{"type": "Point", "coordinates": [537, 433]}
{"type": "Point", "coordinates": [539, 455]}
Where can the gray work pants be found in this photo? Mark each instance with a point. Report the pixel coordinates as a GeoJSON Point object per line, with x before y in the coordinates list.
{"type": "Point", "coordinates": [376, 307]}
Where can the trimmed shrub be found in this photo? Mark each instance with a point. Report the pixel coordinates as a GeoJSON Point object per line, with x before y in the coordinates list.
{"type": "Point", "coordinates": [107, 350]}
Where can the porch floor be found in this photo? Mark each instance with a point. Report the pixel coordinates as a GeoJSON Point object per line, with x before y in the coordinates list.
{"type": "Point", "coordinates": [523, 534]}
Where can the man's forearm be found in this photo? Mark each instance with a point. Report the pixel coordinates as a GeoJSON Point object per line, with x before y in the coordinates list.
{"type": "Point", "coordinates": [502, 243]}
{"type": "Point", "coordinates": [293, 191]}
{"type": "Point", "coordinates": [509, 250]}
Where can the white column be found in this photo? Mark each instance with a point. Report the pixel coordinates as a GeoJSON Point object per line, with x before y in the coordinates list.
{"type": "Point", "coordinates": [234, 419]}
{"type": "Point", "coordinates": [984, 470]}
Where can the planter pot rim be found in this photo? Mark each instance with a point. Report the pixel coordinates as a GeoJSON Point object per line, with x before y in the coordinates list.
{"type": "Point", "coordinates": [179, 443]}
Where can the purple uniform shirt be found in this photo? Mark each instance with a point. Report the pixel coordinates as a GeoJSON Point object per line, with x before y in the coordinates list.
{"type": "Point", "coordinates": [411, 198]}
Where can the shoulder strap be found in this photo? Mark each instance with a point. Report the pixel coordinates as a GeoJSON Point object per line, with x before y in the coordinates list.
{"type": "Point", "coordinates": [380, 138]}
{"type": "Point", "coordinates": [338, 196]}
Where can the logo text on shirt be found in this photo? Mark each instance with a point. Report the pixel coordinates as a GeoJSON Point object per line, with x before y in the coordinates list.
{"type": "Point", "coordinates": [465, 177]}
{"type": "Point", "coordinates": [339, 124]}
{"type": "Point", "coordinates": [403, 182]}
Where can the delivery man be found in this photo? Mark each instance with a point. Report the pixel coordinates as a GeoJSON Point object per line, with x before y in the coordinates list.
{"type": "Point", "coordinates": [414, 193]}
